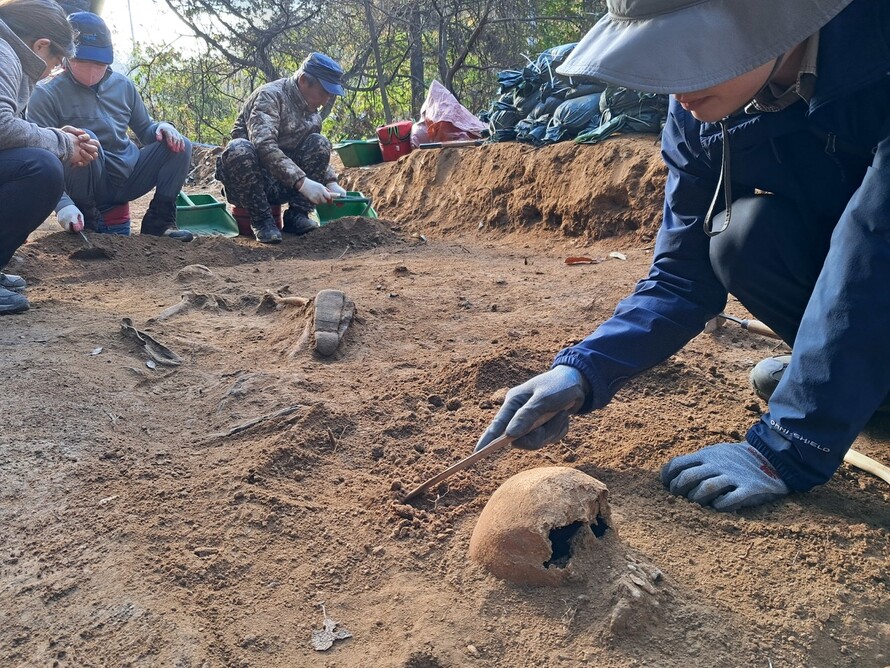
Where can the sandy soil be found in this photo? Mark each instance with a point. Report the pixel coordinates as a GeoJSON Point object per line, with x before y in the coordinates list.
{"type": "Point", "coordinates": [135, 532]}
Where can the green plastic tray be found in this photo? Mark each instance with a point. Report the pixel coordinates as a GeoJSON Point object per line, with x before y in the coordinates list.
{"type": "Point", "coordinates": [204, 215]}
{"type": "Point", "coordinates": [359, 152]}
{"type": "Point", "coordinates": [354, 204]}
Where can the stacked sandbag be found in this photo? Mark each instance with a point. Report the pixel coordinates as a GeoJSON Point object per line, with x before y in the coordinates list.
{"type": "Point", "coordinates": [538, 106]}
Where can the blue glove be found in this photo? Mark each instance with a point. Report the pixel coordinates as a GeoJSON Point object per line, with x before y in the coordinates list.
{"type": "Point", "coordinates": [726, 476]}
{"type": "Point", "coordinates": [561, 390]}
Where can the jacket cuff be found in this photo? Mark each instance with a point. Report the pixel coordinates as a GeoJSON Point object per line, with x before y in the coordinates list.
{"type": "Point", "coordinates": [594, 398]}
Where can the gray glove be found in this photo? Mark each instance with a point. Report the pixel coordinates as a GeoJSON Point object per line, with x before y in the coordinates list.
{"type": "Point", "coordinates": [726, 476]}
{"type": "Point", "coordinates": [561, 390]}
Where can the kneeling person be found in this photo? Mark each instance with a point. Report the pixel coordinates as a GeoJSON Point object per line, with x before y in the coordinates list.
{"type": "Point", "coordinates": [277, 154]}
{"type": "Point", "coordinates": [89, 95]}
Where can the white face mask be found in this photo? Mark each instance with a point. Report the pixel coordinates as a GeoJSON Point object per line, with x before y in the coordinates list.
{"type": "Point", "coordinates": [87, 72]}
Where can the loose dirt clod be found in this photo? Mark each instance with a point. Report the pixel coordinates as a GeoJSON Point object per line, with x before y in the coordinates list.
{"type": "Point", "coordinates": [537, 522]}
{"type": "Point", "coordinates": [92, 253]}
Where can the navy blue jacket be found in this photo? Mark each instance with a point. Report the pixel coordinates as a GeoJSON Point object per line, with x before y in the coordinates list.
{"type": "Point", "coordinates": [842, 362]}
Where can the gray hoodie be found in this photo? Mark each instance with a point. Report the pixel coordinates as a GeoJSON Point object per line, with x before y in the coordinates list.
{"type": "Point", "coordinates": [20, 68]}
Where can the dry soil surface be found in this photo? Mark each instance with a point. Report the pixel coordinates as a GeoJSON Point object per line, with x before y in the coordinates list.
{"type": "Point", "coordinates": [137, 530]}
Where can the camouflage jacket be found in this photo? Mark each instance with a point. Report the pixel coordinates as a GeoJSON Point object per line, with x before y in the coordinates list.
{"type": "Point", "coordinates": [276, 119]}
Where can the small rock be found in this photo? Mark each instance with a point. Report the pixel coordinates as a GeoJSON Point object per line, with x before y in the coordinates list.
{"type": "Point", "coordinates": [377, 551]}
{"type": "Point", "coordinates": [435, 400]}
{"type": "Point", "coordinates": [453, 404]}
{"type": "Point", "coordinates": [205, 552]}
{"type": "Point", "coordinates": [473, 651]}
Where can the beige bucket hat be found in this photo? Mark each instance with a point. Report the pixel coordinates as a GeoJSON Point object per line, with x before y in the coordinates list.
{"type": "Point", "coordinates": [680, 46]}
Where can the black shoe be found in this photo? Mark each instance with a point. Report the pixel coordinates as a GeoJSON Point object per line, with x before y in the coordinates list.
{"type": "Point", "coordinates": [297, 222]}
{"type": "Point", "coordinates": [12, 282]}
{"type": "Point", "coordinates": [160, 221]}
{"type": "Point", "coordinates": [267, 232]}
{"type": "Point", "coordinates": [767, 373]}
{"type": "Point", "coordinates": [12, 302]}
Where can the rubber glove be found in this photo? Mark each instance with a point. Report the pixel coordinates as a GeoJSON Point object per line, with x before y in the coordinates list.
{"type": "Point", "coordinates": [561, 390]}
{"type": "Point", "coordinates": [726, 477]}
{"type": "Point", "coordinates": [336, 188]}
{"type": "Point", "coordinates": [175, 141]}
{"type": "Point", "coordinates": [315, 192]}
{"type": "Point", "coordinates": [70, 218]}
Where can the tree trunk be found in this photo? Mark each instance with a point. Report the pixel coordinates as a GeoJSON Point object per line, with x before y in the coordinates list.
{"type": "Point", "coordinates": [418, 85]}
{"type": "Point", "coordinates": [375, 44]}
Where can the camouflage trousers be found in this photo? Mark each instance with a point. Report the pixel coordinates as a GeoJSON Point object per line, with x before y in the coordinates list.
{"type": "Point", "coordinates": [247, 184]}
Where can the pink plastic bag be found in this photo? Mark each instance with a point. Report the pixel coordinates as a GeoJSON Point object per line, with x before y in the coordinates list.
{"type": "Point", "coordinates": [445, 118]}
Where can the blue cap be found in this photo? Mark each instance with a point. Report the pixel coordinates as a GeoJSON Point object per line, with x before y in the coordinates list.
{"type": "Point", "coordinates": [93, 40]}
{"type": "Point", "coordinates": [326, 70]}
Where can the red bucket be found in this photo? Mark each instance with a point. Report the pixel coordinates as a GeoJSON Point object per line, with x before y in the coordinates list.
{"type": "Point", "coordinates": [395, 140]}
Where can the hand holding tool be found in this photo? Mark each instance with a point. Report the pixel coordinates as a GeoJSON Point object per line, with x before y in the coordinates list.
{"type": "Point", "coordinates": [495, 446]}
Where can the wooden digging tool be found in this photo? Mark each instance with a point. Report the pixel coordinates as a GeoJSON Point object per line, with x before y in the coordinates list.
{"type": "Point", "coordinates": [458, 143]}
{"type": "Point", "coordinates": [853, 457]}
{"type": "Point", "coordinates": [496, 445]}
{"type": "Point", "coordinates": [867, 464]}
{"type": "Point", "coordinates": [753, 326]}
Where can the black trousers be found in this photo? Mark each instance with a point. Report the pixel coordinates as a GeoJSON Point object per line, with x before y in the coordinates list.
{"type": "Point", "coordinates": [31, 182]}
{"type": "Point", "coordinates": [769, 258]}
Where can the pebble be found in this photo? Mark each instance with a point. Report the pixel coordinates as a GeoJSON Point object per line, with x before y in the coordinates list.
{"type": "Point", "coordinates": [473, 651]}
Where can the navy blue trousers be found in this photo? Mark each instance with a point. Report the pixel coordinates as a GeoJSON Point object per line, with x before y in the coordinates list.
{"type": "Point", "coordinates": [31, 182]}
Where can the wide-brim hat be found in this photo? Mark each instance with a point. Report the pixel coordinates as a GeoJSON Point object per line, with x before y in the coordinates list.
{"type": "Point", "coordinates": [326, 70]}
{"type": "Point", "coordinates": [680, 46]}
{"type": "Point", "coordinates": [93, 39]}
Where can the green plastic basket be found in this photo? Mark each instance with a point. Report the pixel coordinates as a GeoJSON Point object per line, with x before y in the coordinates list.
{"type": "Point", "coordinates": [204, 215]}
{"type": "Point", "coordinates": [359, 152]}
{"type": "Point", "coordinates": [353, 204]}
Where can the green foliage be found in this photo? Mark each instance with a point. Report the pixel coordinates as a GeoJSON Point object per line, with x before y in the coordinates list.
{"type": "Point", "coordinates": [463, 43]}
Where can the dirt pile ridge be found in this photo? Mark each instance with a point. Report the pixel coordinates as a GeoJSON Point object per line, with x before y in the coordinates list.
{"type": "Point", "coordinates": [592, 192]}
{"type": "Point", "coordinates": [196, 516]}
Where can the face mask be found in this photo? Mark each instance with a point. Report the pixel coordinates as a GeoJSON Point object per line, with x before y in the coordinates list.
{"type": "Point", "coordinates": [86, 72]}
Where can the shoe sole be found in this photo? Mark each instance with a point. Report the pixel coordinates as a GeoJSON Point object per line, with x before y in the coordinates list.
{"type": "Point", "coordinates": [333, 314]}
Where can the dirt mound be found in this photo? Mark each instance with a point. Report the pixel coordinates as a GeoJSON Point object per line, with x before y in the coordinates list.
{"type": "Point", "coordinates": [60, 256]}
{"type": "Point", "coordinates": [593, 192]}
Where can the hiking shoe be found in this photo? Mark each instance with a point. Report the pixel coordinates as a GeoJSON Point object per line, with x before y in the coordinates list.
{"type": "Point", "coordinates": [267, 232]}
{"type": "Point", "coordinates": [179, 235]}
{"type": "Point", "coordinates": [160, 220]}
{"type": "Point", "coordinates": [12, 282]}
{"type": "Point", "coordinates": [297, 222]}
{"type": "Point", "coordinates": [766, 374]}
{"type": "Point", "coordinates": [12, 302]}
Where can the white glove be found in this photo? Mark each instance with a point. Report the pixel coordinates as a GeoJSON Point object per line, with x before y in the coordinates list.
{"type": "Point", "coordinates": [315, 192]}
{"type": "Point", "coordinates": [175, 141]}
{"type": "Point", "coordinates": [336, 188]}
{"type": "Point", "coordinates": [70, 218]}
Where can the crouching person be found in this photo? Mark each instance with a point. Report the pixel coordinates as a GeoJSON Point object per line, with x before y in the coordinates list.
{"type": "Point", "coordinates": [277, 154]}
{"type": "Point", "coordinates": [34, 37]}
{"type": "Point", "coordinates": [88, 94]}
